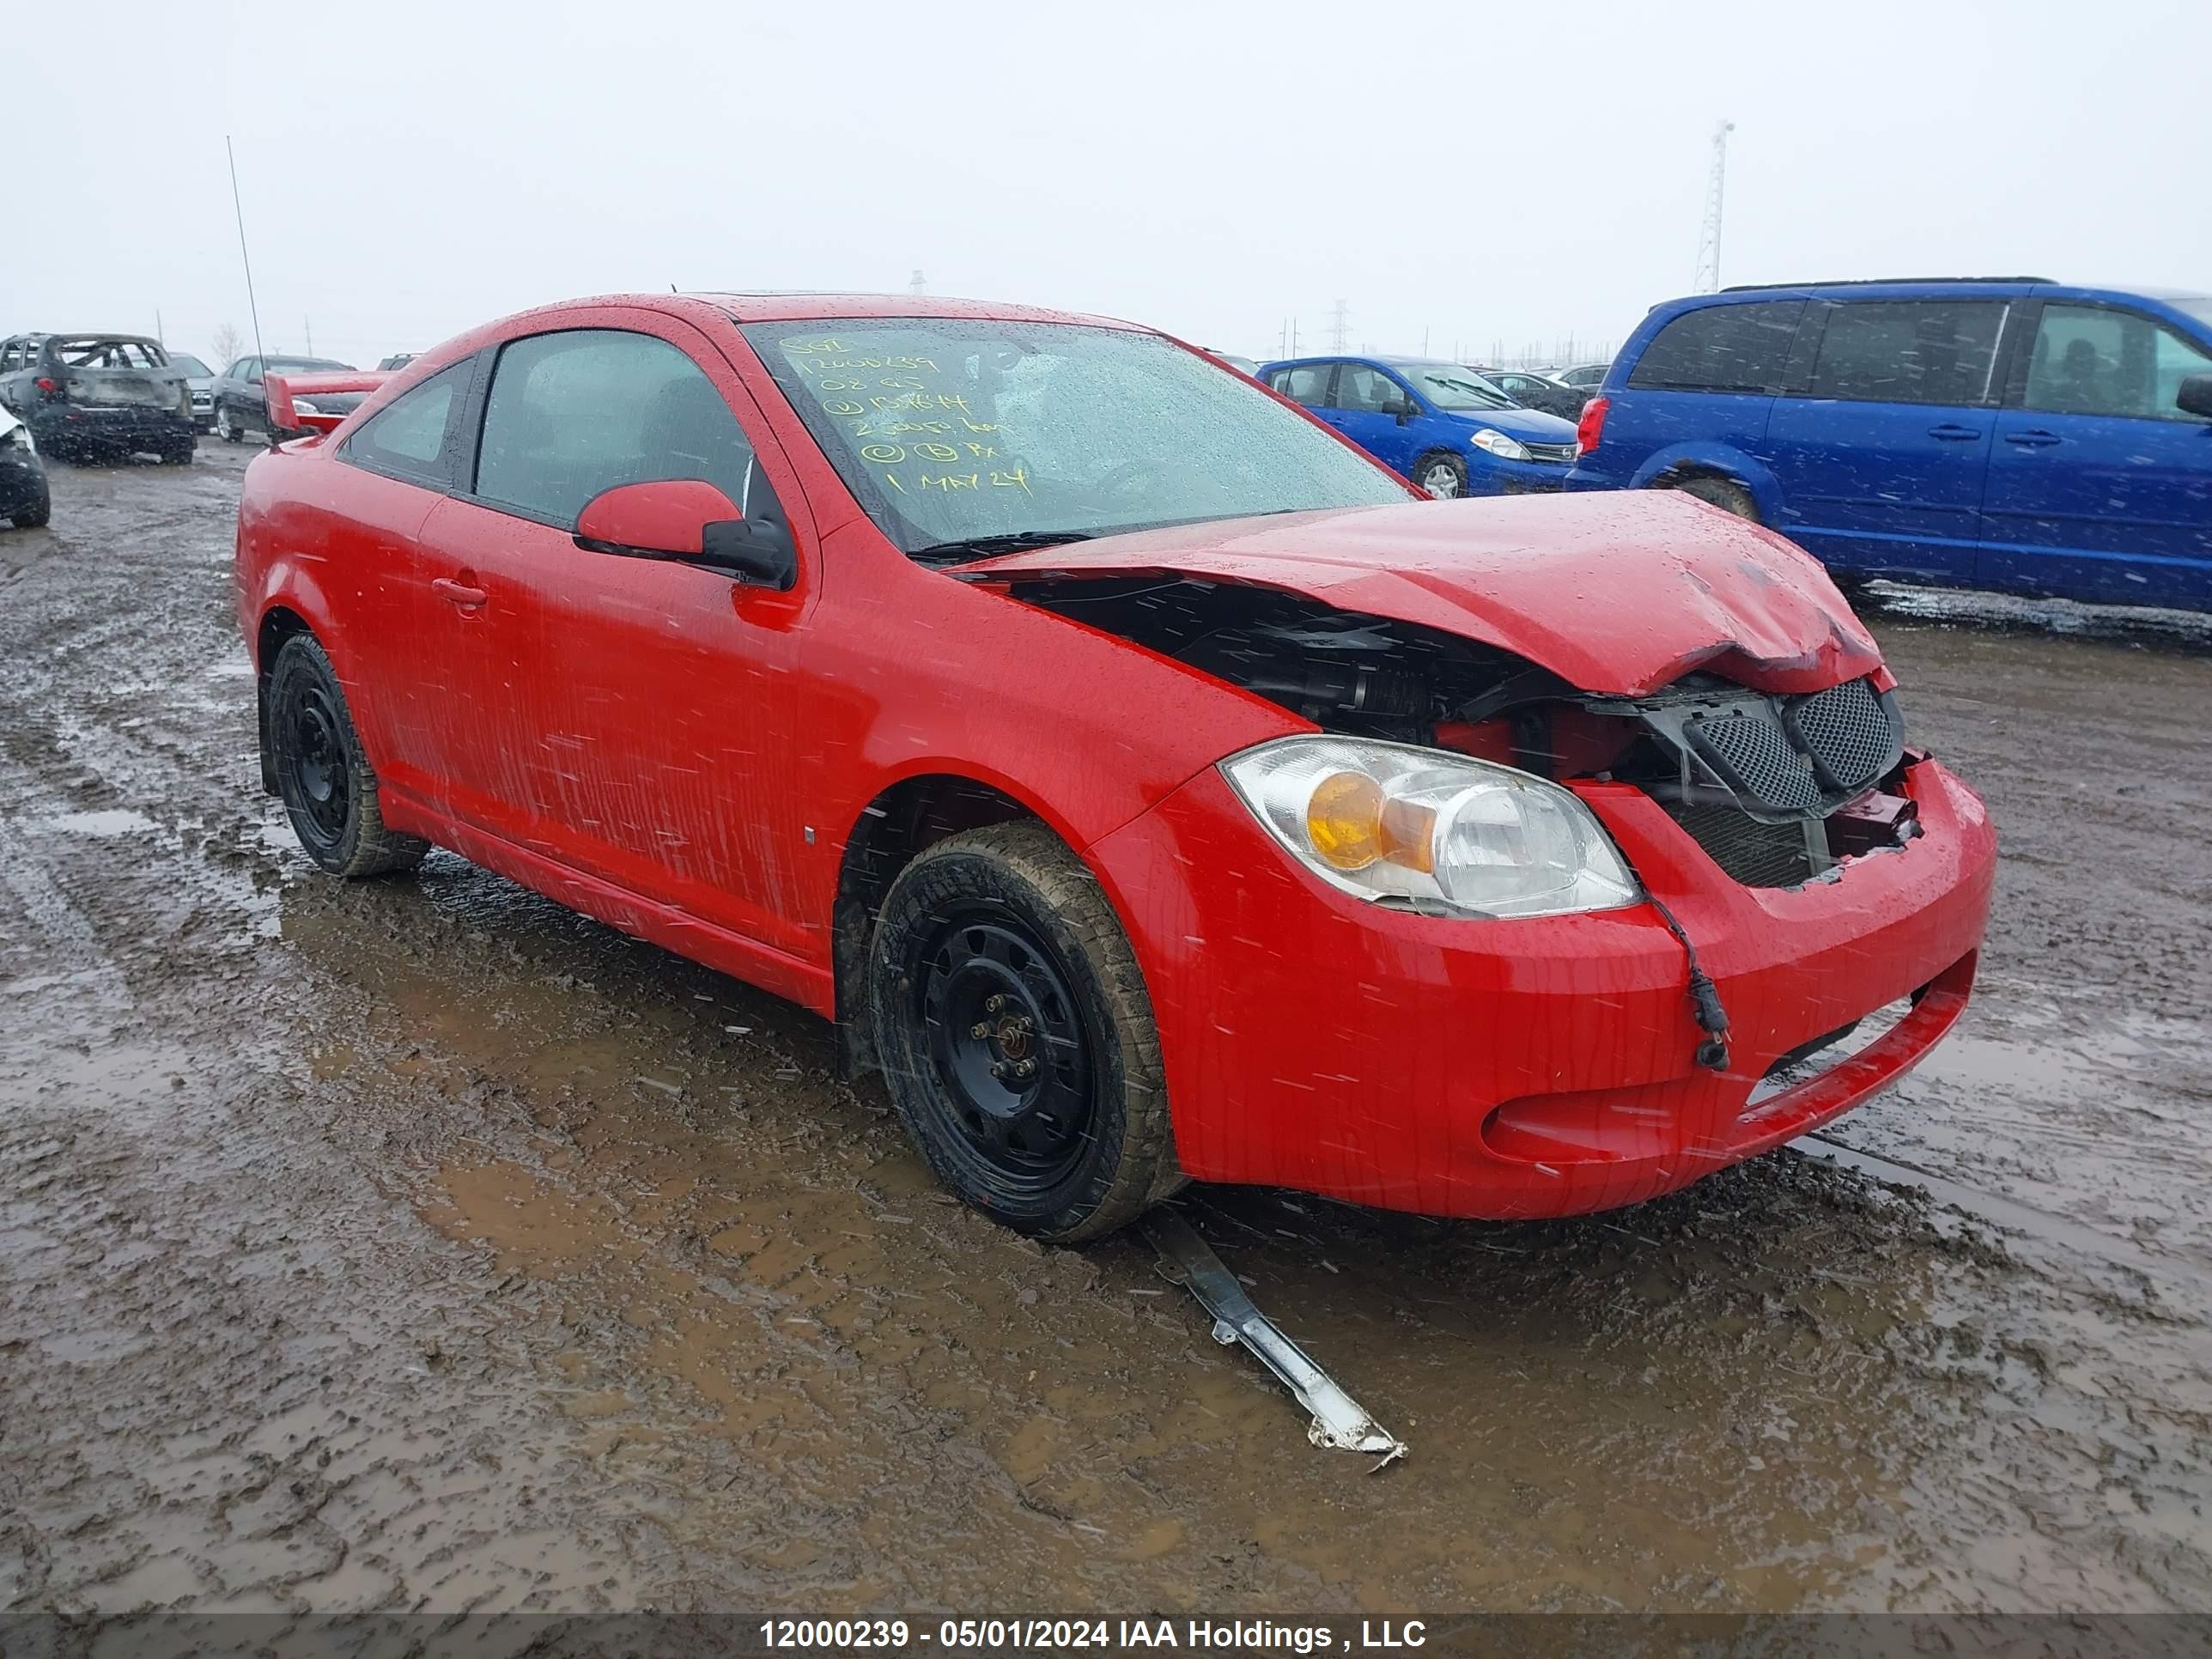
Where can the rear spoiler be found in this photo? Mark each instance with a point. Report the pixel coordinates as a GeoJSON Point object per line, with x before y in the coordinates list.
{"type": "Point", "coordinates": [282, 389]}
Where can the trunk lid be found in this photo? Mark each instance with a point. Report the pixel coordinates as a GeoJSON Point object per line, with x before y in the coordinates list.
{"type": "Point", "coordinates": [126, 388]}
{"type": "Point", "coordinates": [1618, 592]}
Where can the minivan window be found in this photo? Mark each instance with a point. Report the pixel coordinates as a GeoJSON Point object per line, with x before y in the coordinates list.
{"type": "Point", "coordinates": [2094, 360]}
{"type": "Point", "coordinates": [1909, 351]}
{"type": "Point", "coordinates": [1722, 348]}
{"type": "Point", "coordinates": [573, 413]}
{"type": "Point", "coordinates": [408, 434]}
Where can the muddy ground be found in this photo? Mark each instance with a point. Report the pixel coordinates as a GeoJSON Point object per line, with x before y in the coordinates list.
{"type": "Point", "coordinates": [416, 1244]}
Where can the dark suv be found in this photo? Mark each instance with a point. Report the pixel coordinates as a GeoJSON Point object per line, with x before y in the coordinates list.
{"type": "Point", "coordinates": [2011, 434]}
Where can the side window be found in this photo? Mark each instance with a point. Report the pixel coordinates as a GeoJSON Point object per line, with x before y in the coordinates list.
{"type": "Point", "coordinates": [2090, 359]}
{"type": "Point", "coordinates": [573, 413]}
{"type": "Point", "coordinates": [1308, 384]}
{"type": "Point", "coordinates": [1367, 391]}
{"type": "Point", "coordinates": [408, 436]}
{"type": "Point", "coordinates": [1909, 351]}
{"type": "Point", "coordinates": [1722, 348]}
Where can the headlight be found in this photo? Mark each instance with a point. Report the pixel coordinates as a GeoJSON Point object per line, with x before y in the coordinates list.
{"type": "Point", "coordinates": [1506, 448]}
{"type": "Point", "coordinates": [1388, 821]}
{"type": "Point", "coordinates": [302, 406]}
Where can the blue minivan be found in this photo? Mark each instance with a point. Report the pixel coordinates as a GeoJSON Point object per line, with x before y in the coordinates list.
{"type": "Point", "coordinates": [2018, 434]}
{"type": "Point", "coordinates": [1443, 425]}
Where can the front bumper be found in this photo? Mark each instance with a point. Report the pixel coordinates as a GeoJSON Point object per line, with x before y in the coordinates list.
{"type": "Point", "coordinates": [1488, 475]}
{"type": "Point", "coordinates": [1535, 1067]}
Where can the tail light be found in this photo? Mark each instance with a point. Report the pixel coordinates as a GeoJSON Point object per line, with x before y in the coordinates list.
{"type": "Point", "coordinates": [48, 384]}
{"type": "Point", "coordinates": [1591, 427]}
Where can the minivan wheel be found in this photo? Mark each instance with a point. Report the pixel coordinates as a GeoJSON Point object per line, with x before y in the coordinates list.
{"type": "Point", "coordinates": [1017, 1038]}
{"type": "Point", "coordinates": [1442, 474]}
{"type": "Point", "coordinates": [321, 773]}
{"type": "Point", "coordinates": [1724, 493]}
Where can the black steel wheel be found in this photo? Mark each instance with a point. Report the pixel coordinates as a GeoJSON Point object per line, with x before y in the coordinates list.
{"type": "Point", "coordinates": [1015, 1036]}
{"type": "Point", "coordinates": [321, 773]}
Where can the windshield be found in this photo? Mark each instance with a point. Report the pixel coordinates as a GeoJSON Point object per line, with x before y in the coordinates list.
{"type": "Point", "coordinates": [1449, 386]}
{"type": "Point", "coordinates": [950, 430]}
{"type": "Point", "coordinates": [191, 365]}
{"type": "Point", "coordinates": [107, 351]}
{"type": "Point", "coordinates": [2198, 306]}
{"type": "Point", "coordinates": [319, 365]}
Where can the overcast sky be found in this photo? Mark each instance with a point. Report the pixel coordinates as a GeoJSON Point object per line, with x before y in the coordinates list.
{"type": "Point", "coordinates": [1477, 172]}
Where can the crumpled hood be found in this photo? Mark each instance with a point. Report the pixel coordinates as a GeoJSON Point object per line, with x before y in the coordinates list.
{"type": "Point", "coordinates": [1618, 592]}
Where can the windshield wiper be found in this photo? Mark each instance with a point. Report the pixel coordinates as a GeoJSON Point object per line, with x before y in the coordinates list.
{"type": "Point", "coordinates": [983, 547]}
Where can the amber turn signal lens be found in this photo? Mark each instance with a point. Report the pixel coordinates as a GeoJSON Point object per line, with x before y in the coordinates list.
{"type": "Point", "coordinates": [1344, 820]}
{"type": "Point", "coordinates": [1350, 824]}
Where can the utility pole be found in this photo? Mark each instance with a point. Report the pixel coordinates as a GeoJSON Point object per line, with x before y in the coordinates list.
{"type": "Point", "coordinates": [1341, 325]}
{"type": "Point", "coordinates": [308, 327]}
{"type": "Point", "coordinates": [915, 284]}
{"type": "Point", "coordinates": [1708, 279]}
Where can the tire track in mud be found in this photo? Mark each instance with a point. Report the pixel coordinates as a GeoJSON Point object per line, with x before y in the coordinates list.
{"type": "Point", "coordinates": [483, 1256]}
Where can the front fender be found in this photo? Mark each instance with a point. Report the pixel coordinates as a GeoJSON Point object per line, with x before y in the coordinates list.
{"type": "Point", "coordinates": [1725, 459]}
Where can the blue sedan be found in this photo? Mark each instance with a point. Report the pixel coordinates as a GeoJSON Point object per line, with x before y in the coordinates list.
{"type": "Point", "coordinates": [1444, 426]}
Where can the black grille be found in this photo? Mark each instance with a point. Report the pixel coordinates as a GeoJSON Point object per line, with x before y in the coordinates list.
{"type": "Point", "coordinates": [1850, 732]}
{"type": "Point", "coordinates": [1757, 854]}
{"type": "Point", "coordinates": [1749, 749]}
{"type": "Point", "coordinates": [1555, 454]}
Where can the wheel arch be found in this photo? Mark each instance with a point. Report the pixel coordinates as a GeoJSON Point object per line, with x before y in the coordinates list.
{"type": "Point", "coordinates": [1670, 465]}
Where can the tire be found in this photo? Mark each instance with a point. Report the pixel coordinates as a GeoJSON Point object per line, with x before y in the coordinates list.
{"type": "Point", "coordinates": [36, 515]}
{"type": "Point", "coordinates": [223, 427]}
{"type": "Point", "coordinates": [1442, 474]}
{"type": "Point", "coordinates": [1002, 931]}
{"type": "Point", "coordinates": [325, 779]}
{"type": "Point", "coordinates": [178, 455]}
{"type": "Point", "coordinates": [1724, 493]}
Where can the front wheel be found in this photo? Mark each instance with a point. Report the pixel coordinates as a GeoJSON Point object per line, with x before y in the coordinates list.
{"type": "Point", "coordinates": [1017, 1038]}
{"type": "Point", "coordinates": [1442, 474]}
{"type": "Point", "coordinates": [225, 428]}
{"type": "Point", "coordinates": [321, 773]}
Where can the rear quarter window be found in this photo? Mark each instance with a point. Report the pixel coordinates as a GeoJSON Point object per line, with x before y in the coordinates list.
{"type": "Point", "coordinates": [1720, 347]}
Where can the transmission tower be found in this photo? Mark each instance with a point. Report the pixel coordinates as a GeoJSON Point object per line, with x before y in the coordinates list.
{"type": "Point", "coordinates": [1708, 279]}
{"type": "Point", "coordinates": [1340, 323]}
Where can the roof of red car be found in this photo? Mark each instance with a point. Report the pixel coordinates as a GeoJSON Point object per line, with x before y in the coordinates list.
{"type": "Point", "coordinates": [761, 307]}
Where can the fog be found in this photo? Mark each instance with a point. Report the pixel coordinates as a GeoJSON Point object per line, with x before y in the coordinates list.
{"type": "Point", "coordinates": [1457, 174]}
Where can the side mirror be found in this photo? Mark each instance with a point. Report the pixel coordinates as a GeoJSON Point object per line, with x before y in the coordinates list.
{"type": "Point", "coordinates": [690, 521]}
{"type": "Point", "coordinates": [1404, 409]}
{"type": "Point", "coordinates": [2195, 397]}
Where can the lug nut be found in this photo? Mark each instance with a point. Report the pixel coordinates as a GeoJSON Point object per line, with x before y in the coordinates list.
{"type": "Point", "coordinates": [992, 1004]}
{"type": "Point", "coordinates": [982, 1028]}
{"type": "Point", "coordinates": [1024, 1068]}
{"type": "Point", "coordinates": [998, 1068]}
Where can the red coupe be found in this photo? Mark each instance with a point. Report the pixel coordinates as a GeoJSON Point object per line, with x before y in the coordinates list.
{"type": "Point", "coordinates": [1148, 783]}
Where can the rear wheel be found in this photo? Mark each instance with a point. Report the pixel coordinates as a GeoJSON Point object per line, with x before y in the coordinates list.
{"type": "Point", "coordinates": [34, 516]}
{"type": "Point", "coordinates": [1724, 493]}
{"type": "Point", "coordinates": [225, 428]}
{"type": "Point", "coordinates": [1017, 1038]}
{"type": "Point", "coordinates": [179, 454]}
{"type": "Point", "coordinates": [321, 773]}
{"type": "Point", "coordinates": [1442, 474]}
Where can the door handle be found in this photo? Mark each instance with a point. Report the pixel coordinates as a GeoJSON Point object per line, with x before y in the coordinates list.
{"type": "Point", "coordinates": [2034, 438]}
{"type": "Point", "coordinates": [1952, 432]}
{"type": "Point", "coordinates": [469, 599]}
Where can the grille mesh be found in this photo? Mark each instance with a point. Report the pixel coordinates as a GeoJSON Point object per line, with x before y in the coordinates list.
{"type": "Point", "coordinates": [1757, 854]}
{"type": "Point", "coordinates": [1848, 731]}
{"type": "Point", "coordinates": [1752, 748]}
{"type": "Point", "coordinates": [1554, 454]}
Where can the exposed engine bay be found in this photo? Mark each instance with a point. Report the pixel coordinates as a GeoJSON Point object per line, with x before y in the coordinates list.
{"type": "Point", "coordinates": [1777, 789]}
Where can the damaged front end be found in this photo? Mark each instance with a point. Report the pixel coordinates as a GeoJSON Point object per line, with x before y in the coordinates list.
{"type": "Point", "coordinates": [1778, 788]}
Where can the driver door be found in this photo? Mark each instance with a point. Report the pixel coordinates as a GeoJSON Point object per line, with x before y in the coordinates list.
{"type": "Point", "coordinates": [1377, 414]}
{"type": "Point", "coordinates": [628, 718]}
